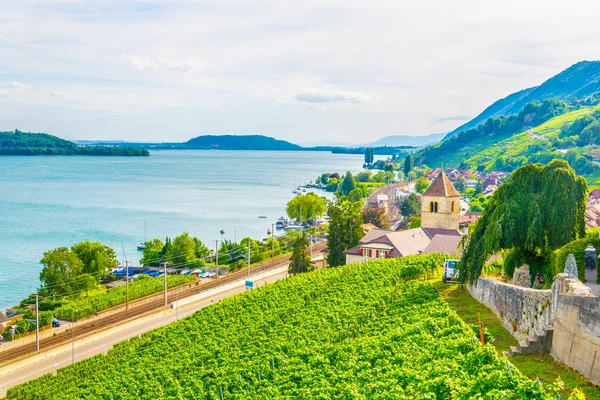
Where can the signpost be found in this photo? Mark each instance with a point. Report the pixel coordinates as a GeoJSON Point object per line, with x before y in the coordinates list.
{"type": "Point", "coordinates": [249, 285]}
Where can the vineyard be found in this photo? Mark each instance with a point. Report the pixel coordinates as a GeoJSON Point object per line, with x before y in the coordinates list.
{"type": "Point", "coordinates": [369, 331]}
{"type": "Point", "coordinates": [86, 306]}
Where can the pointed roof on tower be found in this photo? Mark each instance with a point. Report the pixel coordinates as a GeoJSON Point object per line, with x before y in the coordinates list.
{"type": "Point", "coordinates": [441, 187]}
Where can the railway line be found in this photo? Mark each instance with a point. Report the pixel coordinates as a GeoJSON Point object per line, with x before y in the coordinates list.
{"type": "Point", "coordinates": [136, 308]}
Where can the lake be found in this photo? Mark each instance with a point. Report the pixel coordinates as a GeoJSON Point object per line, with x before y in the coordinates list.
{"type": "Point", "coordinates": [48, 202]}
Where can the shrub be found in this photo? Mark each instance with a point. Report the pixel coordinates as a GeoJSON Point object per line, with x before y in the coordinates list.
{"type": "Point", "coordinates": [559, 256]}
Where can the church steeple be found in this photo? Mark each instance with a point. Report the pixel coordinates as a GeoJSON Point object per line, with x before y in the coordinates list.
{"type": "Point", "coordinates": [440, 204]}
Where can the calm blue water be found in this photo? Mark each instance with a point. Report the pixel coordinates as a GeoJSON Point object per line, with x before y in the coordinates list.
{"type": "Point", "coordinates": [47, 202]}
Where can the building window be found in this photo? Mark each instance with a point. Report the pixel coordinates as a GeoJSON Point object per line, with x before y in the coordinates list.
{"type": "Point", "coordinates": [452, 207]}
{"type": "Point", "coordinates": [431, 206]}
{"type": "Point", "coordinates": [435, 207]}
{"type": "Point", "coordinates": [382, 253]}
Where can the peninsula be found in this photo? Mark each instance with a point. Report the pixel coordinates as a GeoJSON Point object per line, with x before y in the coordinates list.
{"type": "Point", "coordinates": [42, 144]}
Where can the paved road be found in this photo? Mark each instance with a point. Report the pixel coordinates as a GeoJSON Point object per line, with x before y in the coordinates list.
{"type": "Point", "coordinates": [39, 365]}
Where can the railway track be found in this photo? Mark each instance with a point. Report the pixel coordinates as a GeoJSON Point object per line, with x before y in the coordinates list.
{"type": "Point", "coordinates": [136, 309]}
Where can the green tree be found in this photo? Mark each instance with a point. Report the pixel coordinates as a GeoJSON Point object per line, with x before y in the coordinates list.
{"type": "Point", "coordinates": [364, 176]}
{"type": "Point", "coordinates": [183, 250]}
{"type": "Point", "coordinates": [98, 259]}
{"type": "Point", "coordinates": [376, 216]}
{"type": "Point", "coordinates": [152, 252]}
{"type": "Point", "coordinates": [323, 179]}
{"type": "Point", "coordinates": [300, 259]}
{"type": "Point", "coordinates": [368, 156]}
{"type": "Point", "coordinates": [460, 184]}
{"type": "Point", "coordinates": [539, 208]}
{"type": "Point", "coordinates": [200, 249]}
{"type": "Point", "coordinates": [355, 195]}
{"type": "Point", "coordinates": [345, 230]}
{"type": "Point", "coordinates": [379, 177]}
{"type": "Point", "coordinates": [348, 184]}
{"type": "Point", "coordinates": [258, 252]}
{"type": "Point", "coordinates": [408, 165]}
{"type": "Point", "coordinates": [61, 268]}
{"type": "Point", "coordinates": [421, 184]}
{"type": "Point", "coordinates": [478, 187]}
{"type": "Point", "coordinates": [411, 206]}
{"type": "Point", "coordinates": [306, 207]}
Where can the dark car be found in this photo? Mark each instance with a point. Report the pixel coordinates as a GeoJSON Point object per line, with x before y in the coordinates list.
{"type": "Point", "coordinates": [55, 323]}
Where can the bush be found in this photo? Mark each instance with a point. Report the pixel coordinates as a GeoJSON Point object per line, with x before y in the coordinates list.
{"type": "Point", "coordinates": [559, 256]}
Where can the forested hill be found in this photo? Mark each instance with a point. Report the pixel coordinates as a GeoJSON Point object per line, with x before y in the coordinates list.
{"type": "Point", "coordinates": [580, 80]}
{"type": "Point", "coordinates": [35, 144]}
{"type": "Point", "coordinates": [241, 142]}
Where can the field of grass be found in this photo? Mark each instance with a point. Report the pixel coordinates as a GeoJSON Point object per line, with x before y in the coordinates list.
{"type": "Point", "coordinates": [540, 366]}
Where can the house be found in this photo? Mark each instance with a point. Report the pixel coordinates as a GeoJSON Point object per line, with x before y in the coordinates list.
{"type": "Point", "coordinates": [592, 216]}
{"type": "Point", "coordinates": [380, 243]}
{"type": "Point", "coordinates": [382, 201]}
{"type": "Point", "coordinates": [468, 219]}
{"type": "Point", "coordinates": [4, 322]}
{"type": "Point", "coordinates": [440, 216]}
{"type": "Point", "coordinates": [430, 176]}
{"type": "Point", "coordinates": [368, 227]}
{"type": "Point", "coordinates": [491, 180]}
{"type": "Point", "coordinates": [594, 196]}
{"type": "Point", "coordinates": [471, 183]}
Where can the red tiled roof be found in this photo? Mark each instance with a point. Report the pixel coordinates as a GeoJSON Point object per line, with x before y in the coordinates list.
{"type": "Point", "coordinates": [441, 187]}
{"type": "Point", "coordinates": [3, 318]}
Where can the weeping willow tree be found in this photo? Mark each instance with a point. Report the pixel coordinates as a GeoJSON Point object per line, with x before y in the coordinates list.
{"type": "Point", "coordinates": [538, 209]}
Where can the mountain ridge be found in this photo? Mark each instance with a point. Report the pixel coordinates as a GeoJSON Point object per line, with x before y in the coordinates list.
{"type": "Point", "coordinates": [579, 80]}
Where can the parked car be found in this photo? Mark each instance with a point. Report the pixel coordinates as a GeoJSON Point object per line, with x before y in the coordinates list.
{"type": "Point", "coordinates": [450, 273]}
{"type": "Point", "coordinates": [55, 323]}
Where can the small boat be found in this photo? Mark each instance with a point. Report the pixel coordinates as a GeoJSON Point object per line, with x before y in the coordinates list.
{"type": "Point", "coordinates": [222, 232]}
{"type": "Point", "coordinates": [142, 246]}
{"type": "Point", "coordinates": [268, 231]}
{"type": "Point", "coordinates": [262, 216]}
{"type": "Point", "coordinates": [295, 191]}
{"type": "Point", "coordinates": [304, 190]}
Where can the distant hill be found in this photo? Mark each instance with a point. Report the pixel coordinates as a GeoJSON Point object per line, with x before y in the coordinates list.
{"type": "Point", "coordinates": [34, 144]}
{"type": "Point", "coordinates": [579, 80]}
{"type": "Point", "coordinates": [408, 140]}
{"type": "Point", "coordinates": [239, 142]}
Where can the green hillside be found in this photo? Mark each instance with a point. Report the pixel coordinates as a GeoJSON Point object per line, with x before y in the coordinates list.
{"type": "Point", "coordinates": [539, 133]}
{"type": "Point", "coordinates": [578, 81]}
{"type": "Point", "coordinates": [35, 144]}
{"type": "Point", "coordinates": [364, 331]}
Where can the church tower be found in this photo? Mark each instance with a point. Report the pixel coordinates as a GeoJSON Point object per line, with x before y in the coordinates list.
{"type": "Point", "coordinates": [440, 204]}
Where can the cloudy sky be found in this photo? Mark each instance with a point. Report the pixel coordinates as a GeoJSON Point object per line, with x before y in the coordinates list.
{"type": "Point", "coordinates": [300, 70]}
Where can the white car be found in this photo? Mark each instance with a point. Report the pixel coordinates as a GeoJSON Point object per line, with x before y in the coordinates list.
{"type": "Point", "coordinates": [450, 273]}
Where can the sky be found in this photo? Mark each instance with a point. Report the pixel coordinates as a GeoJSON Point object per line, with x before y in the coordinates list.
{"type": "Point", "coordinates": [298, 70]}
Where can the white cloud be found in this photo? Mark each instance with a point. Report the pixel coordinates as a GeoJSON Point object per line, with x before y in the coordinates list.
{"type": "Point", "coordinates": [142, 63]}
{"type": "Point", "coordinates": [58, 94]}
{"type": "Point", "coordinates": [18, 85]}
{"type": "Point", "coordinates": [332, 96]}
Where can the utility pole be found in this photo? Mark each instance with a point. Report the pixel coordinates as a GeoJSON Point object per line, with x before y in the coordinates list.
{"type": "Point", "coordinates": [37, 324]}
{"type": "Point", "coordinates": [273, 240]}
{"type": "Point", "coordinates": [126, 278]}
{"type": "Point", "coordinates": [73, 336]}
{"type": "Point", "coordinates": [311, 240]}
{"type": "Point", "coordinates": [177, 312]}
{"type": "Point", "coordinates": [248, 259]}
{"type": "Point", "coordinates": [165, 279]}
{"type": "Point", "coordinates": [217, 256]}
{"type": "Point", "coordinates": [234, 237]}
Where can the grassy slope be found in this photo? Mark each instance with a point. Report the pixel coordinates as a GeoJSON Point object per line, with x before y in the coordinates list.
{"type": "Point", "coordinates": [485, 150]}
{"type": "Point", "coordinates": [534, 366]}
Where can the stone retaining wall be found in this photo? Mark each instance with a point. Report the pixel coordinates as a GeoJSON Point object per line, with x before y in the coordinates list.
{"type": "Point", "coordinates": [576, 340]}
{"type": "Point", "coordinates": [521, 310]}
